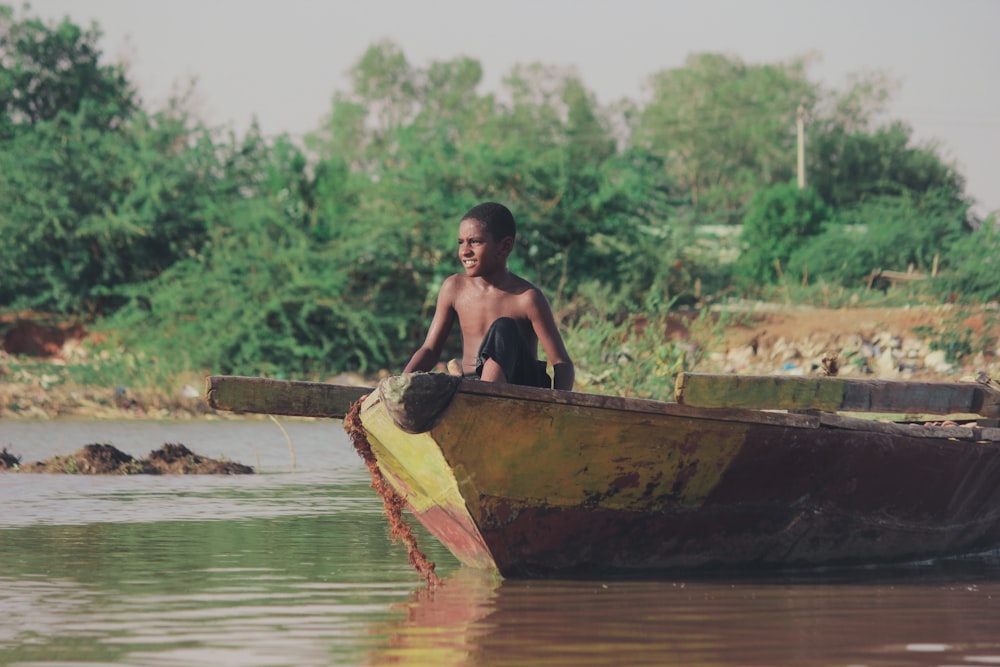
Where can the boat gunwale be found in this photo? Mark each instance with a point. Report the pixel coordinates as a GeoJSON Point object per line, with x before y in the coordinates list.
{"type": "Point", "coordinates": [632, 404]}
{"type": "Point", "coordinates": [811, 419]}
{"type": "Point", "coordinates": [329, 400]}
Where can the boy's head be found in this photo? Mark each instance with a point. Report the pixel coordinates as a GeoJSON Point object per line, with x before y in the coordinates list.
{"type": "Point", "coordinates": [497, 218]}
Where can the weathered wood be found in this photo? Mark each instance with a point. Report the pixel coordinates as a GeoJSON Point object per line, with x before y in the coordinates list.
{"type": "Point", "coordinates": [727, 397]}
{"type": "Point", "coordinates": [908, 430]}
{"type": "Point", "coordinates": [834, 394]}
{"type": "Point", "coordinates": [418, 406]}
{"type": "Point", "coordinates": [316, 399]}
{"type": "Point", "coordinates": [281, 397]}
{"type": "Point", "coordinates": [643, 405]}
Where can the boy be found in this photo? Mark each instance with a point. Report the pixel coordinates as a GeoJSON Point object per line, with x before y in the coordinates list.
{"type": "Point", "coordinates": [503, 317]}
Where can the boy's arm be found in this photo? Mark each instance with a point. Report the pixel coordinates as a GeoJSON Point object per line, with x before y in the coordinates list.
{"type": "Point", "coordinates": [427, 356]}
{"type": "Point", "coordinates": [565, 375]}
{"type": "Point", "coordinates": [544, 323]}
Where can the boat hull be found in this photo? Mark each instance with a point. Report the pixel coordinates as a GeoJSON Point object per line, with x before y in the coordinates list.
{"type": "Point", "coordinates": [533, 482]}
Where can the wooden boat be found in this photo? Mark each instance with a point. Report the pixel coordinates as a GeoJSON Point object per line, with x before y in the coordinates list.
{"type": "Point", "coordinates": [738, 472]}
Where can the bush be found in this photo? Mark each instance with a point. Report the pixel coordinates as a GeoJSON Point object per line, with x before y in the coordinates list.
{"type": "Point", "coordinates": [975, 265]}
{"type": "Point", "coordinates": [780, 219]}
{"type": "Point", "coordinates": [893, 233]}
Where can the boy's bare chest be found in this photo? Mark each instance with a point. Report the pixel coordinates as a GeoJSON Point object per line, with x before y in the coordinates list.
{"type": "Point", "coordinates": [477, 311]}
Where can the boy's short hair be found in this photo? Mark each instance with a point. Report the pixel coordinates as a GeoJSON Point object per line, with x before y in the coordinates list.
{"type": "Point", "coordinates": [498, 219]}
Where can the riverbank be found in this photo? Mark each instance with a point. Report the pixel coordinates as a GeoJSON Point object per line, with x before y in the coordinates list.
{"type": "Point", "coordinates": [30, 396]}
{"type": "Point", "coordinates": [943, 343]}
{"type": "Point", "coordinates": [44, 394]}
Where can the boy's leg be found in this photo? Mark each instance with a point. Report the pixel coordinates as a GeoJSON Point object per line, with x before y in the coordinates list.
{"type": "Point", "coordinates": [503, 357]}
{"type": "Point", "coordinates": [492, 372]}
{"type": "Point", "coordinates": [499, 351]}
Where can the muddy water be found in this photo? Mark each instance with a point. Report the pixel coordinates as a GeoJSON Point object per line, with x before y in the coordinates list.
{"type": "Point", "coordinates": [293, 567]}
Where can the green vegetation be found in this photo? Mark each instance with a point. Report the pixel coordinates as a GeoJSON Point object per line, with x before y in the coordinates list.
{"type": "Point", "coordinates": [197, 251]}
{"type": "Point", "coordinates": [780, 220]}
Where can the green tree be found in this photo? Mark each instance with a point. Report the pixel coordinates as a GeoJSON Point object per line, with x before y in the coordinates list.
{"type": "Point", "coordinates": [397, 136]}
{"type": "Point", "coordinates": [588, 211]}
{"type": "Point", "coordinates": [780, 220]}
{"type": "Point", "coordinates": [49, 69]}
{"type": "Point", "coordinates": [425, 146]}
{"type": "Point", "coordinates": [265, 294]}
{"type": "Point", "coordinates": [975, 265]}
{"type": "Point", "coordinates": [724, 128]}
{"type": "Point", "coordinates": [98, 194]}
{"type": "Point", "coordinates": [889, 232]}
{"type": "Point", "coordinates": [90, 210]}
{"type": "Point", "coordinates": [849, 167]}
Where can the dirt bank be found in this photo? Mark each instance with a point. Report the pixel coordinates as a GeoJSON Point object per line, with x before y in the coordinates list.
{"type": "Point", "coordinates": [932, 343]}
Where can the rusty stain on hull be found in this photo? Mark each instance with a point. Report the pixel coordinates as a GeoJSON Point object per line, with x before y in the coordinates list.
{"type": "Point", "coordinates": [532, 487]}
{"type": "Point", "coordinates": [778, 507]}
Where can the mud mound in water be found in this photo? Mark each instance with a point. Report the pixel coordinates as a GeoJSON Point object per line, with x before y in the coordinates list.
{"type": "Point", "coordinates": [98, 459]}
{"type": "Point", "coordinates": [174, 459]}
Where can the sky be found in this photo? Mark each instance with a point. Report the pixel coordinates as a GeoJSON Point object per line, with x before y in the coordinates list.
{"type": "Point", "coordinates": [281, 61]}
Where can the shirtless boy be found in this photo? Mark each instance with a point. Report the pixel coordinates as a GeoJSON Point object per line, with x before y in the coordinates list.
{"type": "Point", "coordinates": [503, 317]}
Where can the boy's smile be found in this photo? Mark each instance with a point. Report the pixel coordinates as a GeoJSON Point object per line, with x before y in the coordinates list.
{"type": "Point", "coordinates": [478, 251]}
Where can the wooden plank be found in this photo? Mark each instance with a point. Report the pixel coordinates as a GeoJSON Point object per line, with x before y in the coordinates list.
{"type": "Point", "coordinates": [281, 397]}
{"type": "Point", "coordinates": [908, 430]}
{"type": "Point", "coordinates": [905, 276]}
{"type": "Point", "coordinates": [314, 399]}
{"type": "Point", "coordinates": [767, 392]}
{"type": "Point", "coordinates": [629, 404]}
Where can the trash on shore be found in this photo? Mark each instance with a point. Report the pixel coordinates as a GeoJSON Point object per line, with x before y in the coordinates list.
{"type": "Point", "coordinates": [102, 459]}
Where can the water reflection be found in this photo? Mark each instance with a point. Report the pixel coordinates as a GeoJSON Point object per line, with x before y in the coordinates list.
{"type": "Point", "coordinates": [283, 590]}
{"type": "Point", "coordinates": [443, 625]}
{"type": "Point", "coordinates": [290, 605]}
{"type": "Point", "coordinates": [243, 618]}
{"type": "Point", "coordinates": [918, 617]}
{"type": "Point", "coordinates": [295, 568]}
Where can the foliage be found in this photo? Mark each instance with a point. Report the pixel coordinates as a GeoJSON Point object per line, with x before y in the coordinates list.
{"type": "Point", "coordinates": [725, 128]}
{"type": "Point", "coordinates": [247, 254]}
{"type": "Point", "coordinates": [962, 336]}
{"type": "Point", "coordinates": [975, 263]}
{"type": "Point", "coordinates": [91, 211]}
{"type": "Point", "coordinates": [821, 293]}
{"type": "Point", "coordinates": [889, 232]}
{"type": "Point", "coordinates": [634, 354]}
{"type": "Point", "coordinates": [853, 167]}
{"type": "Point", "coordinates": [616, 358]}
{"type": "Point", "coordinates": [262, 297]}
{"type": "Point", "coordinates": [584, 210]}
{"type": "Point", "coordinates": [779, 220]}
{"type": "Point", "coordinates": [97, 193]}
{"type": "Point", "coordinates": [48, 70]}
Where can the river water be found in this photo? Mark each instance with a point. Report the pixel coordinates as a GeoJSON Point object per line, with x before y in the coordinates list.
{"type": "Point", "coordinates": [293, 566]}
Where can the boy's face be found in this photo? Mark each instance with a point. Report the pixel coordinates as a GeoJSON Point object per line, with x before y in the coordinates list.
{"type": "Point", "coordinates": [479, 253]}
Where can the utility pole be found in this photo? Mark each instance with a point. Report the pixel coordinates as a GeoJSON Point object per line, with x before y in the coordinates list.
{"type": "Point", "coordinates": [800, 122]}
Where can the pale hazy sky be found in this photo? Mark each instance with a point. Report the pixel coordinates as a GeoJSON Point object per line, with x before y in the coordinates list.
{"type": "Point", "coordinates": [281, 61]}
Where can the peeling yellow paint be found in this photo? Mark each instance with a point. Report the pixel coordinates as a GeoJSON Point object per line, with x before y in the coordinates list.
{"type": "Point", "coordinates": [560, 455]}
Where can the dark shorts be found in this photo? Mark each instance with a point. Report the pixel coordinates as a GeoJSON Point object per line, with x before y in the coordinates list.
{"type": "Point", "coordinates": [504, 345]}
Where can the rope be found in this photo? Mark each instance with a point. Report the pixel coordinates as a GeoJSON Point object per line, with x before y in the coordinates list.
{"type": "Point", "coordinates": [392, 502]}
